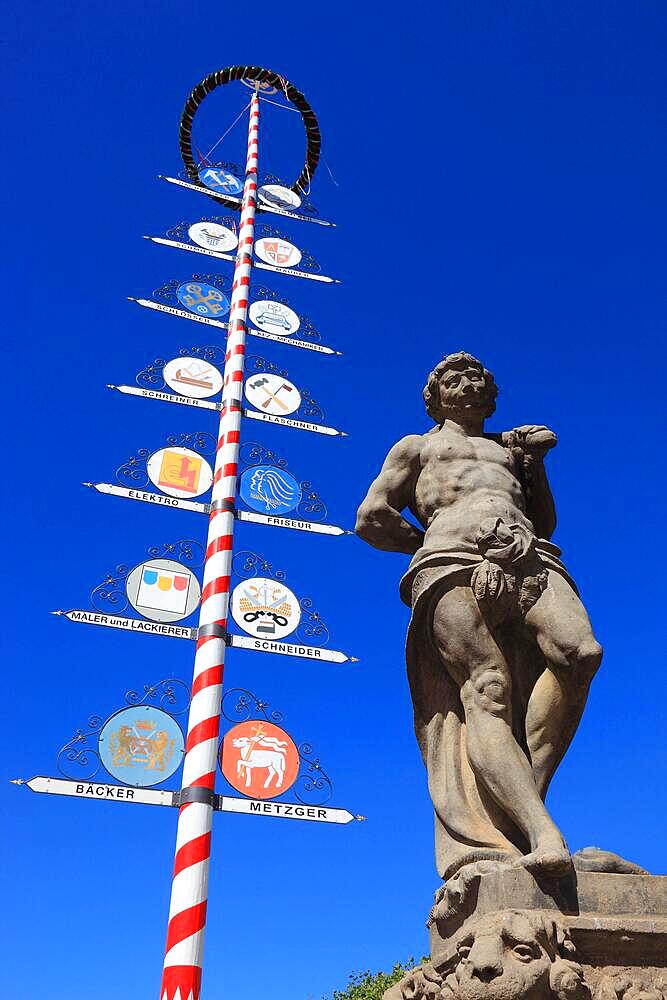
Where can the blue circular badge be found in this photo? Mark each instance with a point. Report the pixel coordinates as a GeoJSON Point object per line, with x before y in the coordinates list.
{"type": "Point", "coordinates": [269, 490]}
{"type": "Point", "coordinates": [141, 746]}
{"type": "Point", "coordinates": [203, 299]}
{"type": "Point", "coordinates": [220, 180]}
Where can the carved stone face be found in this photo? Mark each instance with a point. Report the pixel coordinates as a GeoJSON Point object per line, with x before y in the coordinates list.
{"type": "Point", "coordinates": [503, 958]}
{"type": "Point", "coordinates": [463, 390]}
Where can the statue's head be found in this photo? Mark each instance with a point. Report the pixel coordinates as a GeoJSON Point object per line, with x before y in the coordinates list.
{"type": "Point", "coordinates": [515, 955]}
{"type": "Point", "coordinates": [459, 385]}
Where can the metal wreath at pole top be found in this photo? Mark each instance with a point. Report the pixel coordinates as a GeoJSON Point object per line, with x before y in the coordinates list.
{"type": "Point", "coordinates": [259, 75]}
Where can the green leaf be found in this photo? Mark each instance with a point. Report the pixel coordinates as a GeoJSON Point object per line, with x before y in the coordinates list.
{"type": "Point", "coordinates": [371, 986]}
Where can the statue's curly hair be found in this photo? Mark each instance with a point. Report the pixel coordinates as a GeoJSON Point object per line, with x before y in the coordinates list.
{"type": "Point", "coordinates": [431, 391]}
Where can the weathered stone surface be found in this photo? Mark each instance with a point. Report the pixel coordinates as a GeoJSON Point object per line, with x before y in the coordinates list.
{"type": "Point", "coordinates": [612, 919]}
{"type": "Point", "coordinates": [500, 650]}
{"type": "Point", "coordinates": [500, 656]}
{"type": "Point", "coordinates": [496, 934]}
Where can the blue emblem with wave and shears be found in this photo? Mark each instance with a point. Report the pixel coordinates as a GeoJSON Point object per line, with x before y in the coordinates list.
{"type": "Point", "coordinates": [269, 490]}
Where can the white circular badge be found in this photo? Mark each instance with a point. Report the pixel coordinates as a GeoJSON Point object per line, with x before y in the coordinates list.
{"type": "Point", "coordinates": [213, 236]}
{"type": "Point", "coordinates": [274, 317]}
{"type": "Point", "coordinates": [163, 590]}
{"type": "Point", "coordinates": [265, 609]}
{"type": "Point", "coordinates": [179, 472]}
{"type": "Point", "coordinates": [272, 394]}
{"type": "Point", "coordinates": [272, 250]}
{"type": "Point", "coordinates": [192, 377]}
{"type": "Point", "coordinates": [277, 196]}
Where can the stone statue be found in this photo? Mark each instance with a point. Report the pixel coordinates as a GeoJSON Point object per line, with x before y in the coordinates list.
{"type": "Point", "coordinates": [500, 651]}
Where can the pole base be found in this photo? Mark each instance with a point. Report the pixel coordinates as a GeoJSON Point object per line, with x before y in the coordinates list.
{"type": "Point", "coordinates": [181, 982]}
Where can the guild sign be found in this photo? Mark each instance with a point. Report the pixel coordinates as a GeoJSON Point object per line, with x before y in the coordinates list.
{"type": "Point", "coordinates": [192, 377]}
{"type": "Point", "coordinates": [274, 317]}
{"type": "Point", "coordinates": [272, 394]}
{"type": "Point", "coordinates": [203, 299]}
{"type": "Point", "coordinates": [220, 180]}
{"type": "Point", "coordinates": [163, 590]}
{"type": "Point", "coordinates": [269, 490]}
{"type": "Point", "coordinates": [265, 608]}
{"type": "Point", "coordinates": [279, 252]}
{"type": "Point", "coordinates": [259, 759]}
{"type": "Point", "coordinates": [213, 236]}
{"type": "Point", "coordinates": [277, 196]}
{"type": "Point", "coordinates": [141, 746]}
{"type": "Point", "coordinates": [179, 472]}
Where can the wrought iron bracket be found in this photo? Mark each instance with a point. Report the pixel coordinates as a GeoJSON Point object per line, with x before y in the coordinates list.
{"type": "Point", "coordinates": [313, 786]}
{"type": "Point", "coordinates": [312, 628]}
{"type": "Point", "coordinates": [79, 759]}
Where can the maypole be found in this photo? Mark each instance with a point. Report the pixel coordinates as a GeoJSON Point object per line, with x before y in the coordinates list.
{"type": "Point", "coordinates": [181, 979]}
{"type": "Point", "coordinates": [143, 744]}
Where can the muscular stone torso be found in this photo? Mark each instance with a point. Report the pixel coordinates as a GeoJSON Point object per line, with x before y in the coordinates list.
{"type": "Point", "coordinates": [464, 480]}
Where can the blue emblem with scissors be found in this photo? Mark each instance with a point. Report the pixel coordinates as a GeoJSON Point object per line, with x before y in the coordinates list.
{"type": "Point", "coordinates": [269, 490]}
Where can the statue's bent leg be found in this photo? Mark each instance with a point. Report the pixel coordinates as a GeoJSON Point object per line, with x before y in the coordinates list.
{"type": "Point", "coordinates": [564, 635]}
{"type": "Point", "coordinates": [476, 663]}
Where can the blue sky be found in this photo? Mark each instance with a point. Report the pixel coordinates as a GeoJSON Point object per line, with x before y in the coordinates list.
{"type": "Point", "coordinates": [500, 188]}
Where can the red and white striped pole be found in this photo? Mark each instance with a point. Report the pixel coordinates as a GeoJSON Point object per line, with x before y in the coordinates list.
{"type": "Point", "coordinates": [182, 972]}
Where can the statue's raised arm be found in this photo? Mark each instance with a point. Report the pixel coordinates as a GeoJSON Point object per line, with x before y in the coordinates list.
{"type": "Point", "coordinates": [529, 444]}
{"type": "Point", "coordinates": [379, 519]}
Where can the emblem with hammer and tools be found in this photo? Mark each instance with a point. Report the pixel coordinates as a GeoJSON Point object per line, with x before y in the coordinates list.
{"type": "Point", "coordinates": [263, 384]}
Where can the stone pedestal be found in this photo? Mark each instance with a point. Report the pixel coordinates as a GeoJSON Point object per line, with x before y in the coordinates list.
{"type": "Point", "coordinates": [612, 919]}
{"type": "Point", "coordinates": [496, 934]}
